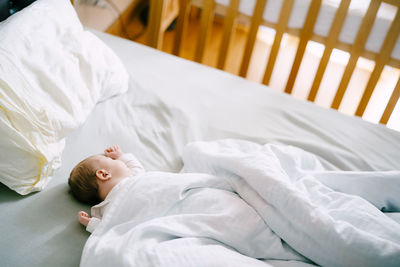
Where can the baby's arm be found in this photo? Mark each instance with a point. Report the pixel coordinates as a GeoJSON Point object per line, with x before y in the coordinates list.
{"type": "Point", "coordinates": [89, 222]}
{"type": "Point", "coordinates": [133, 163]}
{"type": "Point", "coordinates": [130, 160]}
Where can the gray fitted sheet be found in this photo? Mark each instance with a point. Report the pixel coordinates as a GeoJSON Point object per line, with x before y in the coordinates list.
{"type": "Point", "coordinates": [171, 102]}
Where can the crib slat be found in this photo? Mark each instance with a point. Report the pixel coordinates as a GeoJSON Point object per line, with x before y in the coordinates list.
{"type": "Point", "coordinates": [305, 36]}
{"type": "Point", "coordinates": [384, 56]}
{"type": "Point", "coordinates": [357, 49]}
{"type": "Point", "coordinates": [181, 25]}
{"type": "Point", "coordinates": [207, 16]}
{"type": "Point", "coordinates": [154, 37]}
{"type": "Point", "coordinates": [229, 26]}
{"type": "Point", "coordinates": [251, 39]}
{"type": "Point", "coordinates": [280, 29]}
{"type": "Point", "coordinates": [330, 43]}
{"type": "Point", "coordinates": [391, 104]}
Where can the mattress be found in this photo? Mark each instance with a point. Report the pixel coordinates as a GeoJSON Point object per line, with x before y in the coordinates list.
{"type": "Point", "coordinates": [357, 9]}
{"type": "Point", "coordinates": [171, 102]}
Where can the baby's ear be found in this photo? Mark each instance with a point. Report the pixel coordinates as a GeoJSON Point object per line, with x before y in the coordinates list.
{"type": "Point", "coordinates": [103, 174]}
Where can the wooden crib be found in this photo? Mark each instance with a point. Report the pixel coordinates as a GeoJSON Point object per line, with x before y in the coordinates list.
{"type": "Point", "coordinates": [383, 57]}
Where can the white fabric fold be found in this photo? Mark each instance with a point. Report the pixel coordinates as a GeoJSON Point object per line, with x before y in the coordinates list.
{"type": "Point", "coordinates": [329, 227]}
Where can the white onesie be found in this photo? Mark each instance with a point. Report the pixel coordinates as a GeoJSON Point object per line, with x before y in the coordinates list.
{"type": "Point", "coordinates": [98, 210]}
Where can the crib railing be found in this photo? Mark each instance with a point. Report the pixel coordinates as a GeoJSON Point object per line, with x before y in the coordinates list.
{"type": "Point", "coordinates": [305, 34]}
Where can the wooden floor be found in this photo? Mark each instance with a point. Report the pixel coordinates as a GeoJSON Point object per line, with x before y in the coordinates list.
{"type": "Point", "coordinates": [136, 31]}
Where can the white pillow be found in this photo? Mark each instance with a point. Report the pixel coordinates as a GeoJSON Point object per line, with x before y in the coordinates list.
{"type": "Point", "coordinates": [52, 73]}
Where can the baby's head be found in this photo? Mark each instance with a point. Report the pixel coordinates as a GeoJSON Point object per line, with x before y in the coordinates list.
{"type": "Point", "coordinates": [94, 177]}
{"type": "Point", "coordinates": [83, 182]}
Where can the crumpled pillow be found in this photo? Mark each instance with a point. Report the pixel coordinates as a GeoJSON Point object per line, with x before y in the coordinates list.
{"type": "Point", "coordinates": [52, 74]}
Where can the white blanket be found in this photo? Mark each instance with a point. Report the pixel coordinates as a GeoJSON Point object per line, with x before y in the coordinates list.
{"type": "Point", "coordinates": [243, 204]}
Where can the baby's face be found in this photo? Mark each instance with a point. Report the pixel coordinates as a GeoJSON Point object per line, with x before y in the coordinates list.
{"type": "Point", "coordinates": [116, 167]}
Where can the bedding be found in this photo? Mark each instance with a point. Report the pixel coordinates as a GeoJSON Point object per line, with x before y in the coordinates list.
{"type": "Point", "coordinates": [170, 103]}
{"type": "Point", "coordinates": [52, 73]}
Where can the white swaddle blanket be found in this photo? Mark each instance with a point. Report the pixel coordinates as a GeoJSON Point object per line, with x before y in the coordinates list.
{"type": "Point", "coordinates": [243, 204]}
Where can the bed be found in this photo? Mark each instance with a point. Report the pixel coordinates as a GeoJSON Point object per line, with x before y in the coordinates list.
{"type": "Point", "coordinates": [168, 103]}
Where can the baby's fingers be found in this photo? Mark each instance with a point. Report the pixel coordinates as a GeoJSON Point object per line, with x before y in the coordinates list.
{"type": "Point", "coordinates": [83, 214]}
{"type": "Point", "coordinates": [112, 148]}
{"type": "Point", "coordinates": [83, 218]}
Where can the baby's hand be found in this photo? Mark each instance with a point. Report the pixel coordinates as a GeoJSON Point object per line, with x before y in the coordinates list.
{"type": "Point", "coordinates": [113, 152]}
{"type": "Point", "coordinates": [83, 218]}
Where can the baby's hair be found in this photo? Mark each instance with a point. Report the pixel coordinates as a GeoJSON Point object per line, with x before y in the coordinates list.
{"type": "Point", "coordinates": [83, 183]}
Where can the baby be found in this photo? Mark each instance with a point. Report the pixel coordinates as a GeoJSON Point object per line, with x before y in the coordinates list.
{"type": "Point", "coordinates": [98, 178]}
